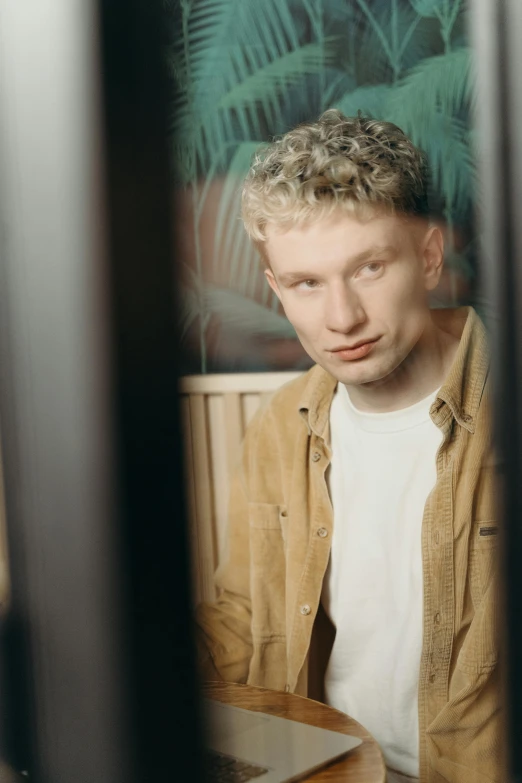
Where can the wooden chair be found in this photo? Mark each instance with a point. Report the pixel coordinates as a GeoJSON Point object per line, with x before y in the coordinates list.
{"type": "Point", "coordinates": [216, 410]}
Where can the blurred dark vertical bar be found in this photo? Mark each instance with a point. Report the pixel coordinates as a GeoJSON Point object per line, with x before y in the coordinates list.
{"type": "Point", "coordinates": [96, 654]}
{"type": "Point", "coordinates": [496, 35]}
{"type": "Point", "coordinates": [136, 99]}
{"type": "Point", "coordinates": [62, 653]}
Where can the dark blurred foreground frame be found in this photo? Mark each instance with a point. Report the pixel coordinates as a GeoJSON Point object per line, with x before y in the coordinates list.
{"type": "Point", "coordinates": [497, 33]}
{"type": "Point", "coordinates": [96, 654]}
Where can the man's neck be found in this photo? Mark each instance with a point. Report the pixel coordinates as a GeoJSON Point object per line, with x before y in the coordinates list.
{"type": "Point", "coordinates": [420, 374]}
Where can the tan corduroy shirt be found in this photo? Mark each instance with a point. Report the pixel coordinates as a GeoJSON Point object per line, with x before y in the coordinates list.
{"type": "Point", "coordinates": [268, 628]}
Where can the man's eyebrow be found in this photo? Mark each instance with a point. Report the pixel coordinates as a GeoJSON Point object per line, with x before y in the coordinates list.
{"type": "Point", "coordinates": [377, 250]}
{"type": "Point", "coordinates": [293, 277]}
{"type": "Point", "coordinates": [287, 278]}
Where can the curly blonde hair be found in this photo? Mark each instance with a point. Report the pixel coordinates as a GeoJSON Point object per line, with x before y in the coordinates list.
{"type": "Point", "coordinates": [338, 161]}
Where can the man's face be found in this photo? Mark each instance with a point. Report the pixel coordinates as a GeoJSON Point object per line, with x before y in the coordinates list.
{"type": "Point", "coordinates": [356, 290]}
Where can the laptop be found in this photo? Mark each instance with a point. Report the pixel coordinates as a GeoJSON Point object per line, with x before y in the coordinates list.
{"type": "Point", "coordinates": [244, 745]}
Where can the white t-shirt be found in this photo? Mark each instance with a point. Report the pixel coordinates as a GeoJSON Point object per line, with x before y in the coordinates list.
{"type": "Point", "coordinates": [382, 471]}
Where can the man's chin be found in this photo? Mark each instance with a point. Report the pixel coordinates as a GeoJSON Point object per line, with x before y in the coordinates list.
{"type": "Point", "coordinates": [362, 372]}
{"type": "Point", "coordinates": [359, 376]}
{"type": "Point", "coordinates": [367, 382]}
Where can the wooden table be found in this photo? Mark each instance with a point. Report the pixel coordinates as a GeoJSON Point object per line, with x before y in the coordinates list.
{"type": "Point", "coordinates": [362, 765]}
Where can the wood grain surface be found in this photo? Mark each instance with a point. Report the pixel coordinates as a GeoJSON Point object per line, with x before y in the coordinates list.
{"type": "Point", "coordinates": [362, 765]}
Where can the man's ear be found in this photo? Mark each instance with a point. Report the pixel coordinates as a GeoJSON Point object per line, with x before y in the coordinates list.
{"type": "Point", "coordinates": [432, 253]}
{"type": "Point", "coordinates": [272, 282]}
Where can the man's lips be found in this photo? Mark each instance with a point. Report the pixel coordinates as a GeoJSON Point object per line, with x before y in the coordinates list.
{"type": "Point", "coordinates": [356, 351]}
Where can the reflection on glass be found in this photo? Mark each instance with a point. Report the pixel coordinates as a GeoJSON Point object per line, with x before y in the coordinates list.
{"type": "Point", "coordinates": [355, 526]}
{"type": "Point", "coordinates": [362, 526]}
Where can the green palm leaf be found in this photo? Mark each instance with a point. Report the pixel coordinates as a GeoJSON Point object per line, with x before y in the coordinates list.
{"type": "Point", "coordinates": [446, 141]}
{"type": "Point", "coordinates": [189, 310]}
{"type": "Point", "coordinates": [265, 84]}
{"type": "Point", "coordinates": [235, 58]}
{"type": "Point", "coordinates": [426, 8]}
{"type": "Point", "coordinates": [429, 104]}
{"type": "Point", "coordinates": [239, 313]}
{"type": "Point", "coordinates": [261, 89]}
{"type": "Point", "coordinates": [394, 36]}
{"type": "Point", "coordinates": [228, 218]}
{"type": "Point", "coordinates": [443, 83]}
{"type": "Point", "coordinates": [372, 101]}
{"type": "Point", "coordinates": [231, 242]}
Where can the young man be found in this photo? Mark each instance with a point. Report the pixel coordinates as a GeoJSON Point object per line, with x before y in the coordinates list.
{"type": "Point", "coordinates": [362, 523]}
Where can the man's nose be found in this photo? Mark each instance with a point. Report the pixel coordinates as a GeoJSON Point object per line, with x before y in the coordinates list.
{"type": "Point", "coordinates": [344, 310]}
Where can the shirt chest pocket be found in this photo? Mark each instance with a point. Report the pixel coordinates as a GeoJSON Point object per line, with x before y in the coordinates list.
{"type": "Point", "coordinates": [267, 568]}
{"type": "Point", "coordinates": [483, 555]}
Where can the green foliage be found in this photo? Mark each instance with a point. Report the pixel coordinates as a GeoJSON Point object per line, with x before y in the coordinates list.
{"type": "Point", "coordinates": [441, 83]}
{"type": "Point", "coordinates": [246, 69]}
{"type": "Point", "coordinates": [428, 103]}
{"type": "Point", "coordinates": [372, 100]}
{"type": "Point", "coordinates": [232, 64]}
{"type": "Point", "coordinates": [239, 313]}
{"type": "Point", "coordinates": [426, 8]}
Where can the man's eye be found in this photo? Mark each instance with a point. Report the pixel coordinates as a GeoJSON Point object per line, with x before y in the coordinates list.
{"type": "Point", "coordinates": [371, 270]}
{"type": "Point", "coordinates": [307, 285]}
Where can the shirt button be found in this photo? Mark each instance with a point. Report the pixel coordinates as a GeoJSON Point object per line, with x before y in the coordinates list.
{"type": "Point", "coordinates": [437, 618]}
{"type": "Point", "coordinates": [316, 456]}
{"type": "Point", "coordinates": [305, 609]}
{"type": "Point", "coordinates": [466, 417]}
{"type": "Point", "coordinates": [432, 678]}
{"type": "Point", "coordinates": [322, 532]}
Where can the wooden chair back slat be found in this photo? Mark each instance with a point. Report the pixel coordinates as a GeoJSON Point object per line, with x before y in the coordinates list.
{"type": "Point", "coordinates": [203, 526]}
{"type": "Point", "coordinates": [216, 409]}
